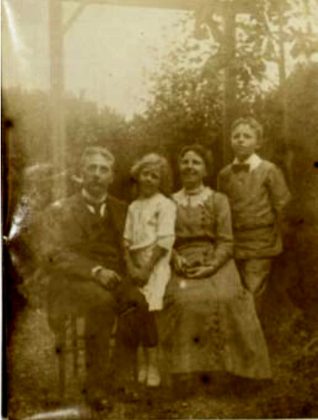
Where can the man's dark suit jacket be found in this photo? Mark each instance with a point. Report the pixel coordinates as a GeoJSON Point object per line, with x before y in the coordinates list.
{"type": "Point", "coordinates": [78, 241]}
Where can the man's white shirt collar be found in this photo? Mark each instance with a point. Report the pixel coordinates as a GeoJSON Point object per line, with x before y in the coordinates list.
{"type": "Point", "coordinates": [253, 161]}
{"type": "Point", "coordinates": [89, 199]}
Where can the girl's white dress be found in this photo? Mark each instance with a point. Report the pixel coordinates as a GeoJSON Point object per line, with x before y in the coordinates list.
{"type": "Point", "coordinates": [150, 222]}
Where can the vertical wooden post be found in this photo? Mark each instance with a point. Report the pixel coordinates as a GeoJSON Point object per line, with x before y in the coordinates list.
{"type": "Point", "coordinates": [229, 80]}
{"type": "Point", "coordinates": [57, 88]}
{"type": "Point", "coordinates": [281, 64]}
{"type": "Point", "coordinates": [287, 152]}
{"type": "Point", "coordinates": [282, 73]}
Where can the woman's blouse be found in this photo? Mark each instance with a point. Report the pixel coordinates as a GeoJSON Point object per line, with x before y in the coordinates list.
{"type": "Point", "coordinates": [206, 216]}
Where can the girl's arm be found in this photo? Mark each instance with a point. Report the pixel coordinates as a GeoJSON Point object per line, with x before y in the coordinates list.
{"type": "Point", "coordinates": [140, 275]}
{"type": "Point", "coordinates": [157, 253]}
{"type": "Point", "coordinates": [165, 237]}
{"type": "Point", "coordinates": [131, 268]}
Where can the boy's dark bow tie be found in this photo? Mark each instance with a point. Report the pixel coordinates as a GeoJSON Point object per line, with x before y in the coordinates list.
{"type": "Point", "coordinates": [240, 167]}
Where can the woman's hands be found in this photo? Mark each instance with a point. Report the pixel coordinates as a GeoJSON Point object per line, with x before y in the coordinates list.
{"type": "Point", "coordinates": [180, 263]}
{"type": "Point", "coordinates": [192, 271]}
{"type": "Point", "coordinates": [200, 272]}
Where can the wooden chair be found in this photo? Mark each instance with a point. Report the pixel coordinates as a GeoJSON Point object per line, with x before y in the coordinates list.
{"type": "Point", "coordinates": [70, 348]}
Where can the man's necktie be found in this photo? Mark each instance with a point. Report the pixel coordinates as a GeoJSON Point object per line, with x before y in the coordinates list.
{"type": "Point", "coordinates": [240, 167]}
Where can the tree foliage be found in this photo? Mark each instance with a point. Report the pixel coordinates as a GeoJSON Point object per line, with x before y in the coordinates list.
{"type": "Point", "coordinates": [270, 31]}
{"type": "Point", "coordinates": [29, 152]}
{"type": "Point", "coordinates": [188, 97]}
{"type": "Point", "coordinates": [187, 92]}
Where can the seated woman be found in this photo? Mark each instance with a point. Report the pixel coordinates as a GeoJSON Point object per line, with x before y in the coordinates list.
{"type": "Point", "coordinates": [209, 320]}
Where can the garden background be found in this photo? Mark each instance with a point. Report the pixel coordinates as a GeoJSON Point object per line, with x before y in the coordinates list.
{"type": "Point", "coordinates": [185, 105]}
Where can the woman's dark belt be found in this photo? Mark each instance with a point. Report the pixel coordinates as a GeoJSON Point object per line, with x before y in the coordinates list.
{"type": "Point", "coordinates": [179, 242]}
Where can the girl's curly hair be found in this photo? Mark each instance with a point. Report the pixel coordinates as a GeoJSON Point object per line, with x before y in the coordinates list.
{"type": "Point", "coordinates": [153, 159]}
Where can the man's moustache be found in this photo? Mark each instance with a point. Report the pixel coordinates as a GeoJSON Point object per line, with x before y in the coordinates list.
{"type": "Point", "coordinates": [97, 184]}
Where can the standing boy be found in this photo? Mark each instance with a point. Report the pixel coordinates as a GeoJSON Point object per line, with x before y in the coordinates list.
{"type": "Point", "coordinates": [258, 195]}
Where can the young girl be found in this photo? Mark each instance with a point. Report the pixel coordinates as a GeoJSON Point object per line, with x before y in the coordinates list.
{"type": "Point", "coordinates": [148, 241]}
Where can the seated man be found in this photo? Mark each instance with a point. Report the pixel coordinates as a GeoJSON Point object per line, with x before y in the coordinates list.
{"type": "Point", "coordinates": [84, 259]}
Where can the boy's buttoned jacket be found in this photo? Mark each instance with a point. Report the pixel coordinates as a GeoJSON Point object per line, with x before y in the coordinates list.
{"type": "Point", "coordinates": [257, 199]}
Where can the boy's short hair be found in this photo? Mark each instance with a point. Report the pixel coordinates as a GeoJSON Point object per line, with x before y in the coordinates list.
{"type": "Point", "coordinates": [97, 150]}
{"type": "Point", "coordinates": [253, 123]}
{"type": "Point", "coordinates": [154, 159]}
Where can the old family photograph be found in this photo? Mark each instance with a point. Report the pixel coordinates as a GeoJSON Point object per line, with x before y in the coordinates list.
{"type": "Point", "coordinates": [160, 202]}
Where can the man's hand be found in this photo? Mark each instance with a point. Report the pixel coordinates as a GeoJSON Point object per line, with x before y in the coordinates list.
{"type": "Point", "coordinates": [108, 279]}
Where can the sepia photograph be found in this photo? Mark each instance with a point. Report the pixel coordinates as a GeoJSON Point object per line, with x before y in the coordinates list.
{"type": "Point", "coordinates": [159, 209]}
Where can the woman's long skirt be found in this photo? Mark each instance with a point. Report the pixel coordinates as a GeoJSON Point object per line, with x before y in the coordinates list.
{"type": "Point", "coordinates": [211, 325]}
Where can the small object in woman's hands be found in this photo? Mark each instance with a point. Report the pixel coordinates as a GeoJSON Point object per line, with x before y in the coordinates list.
{"type": "Point", "coordinates": [180, 264]}
{"type": "Point", "coordinates": [191, 272]}
{"type": "Point", "coordinates": [199, 272]}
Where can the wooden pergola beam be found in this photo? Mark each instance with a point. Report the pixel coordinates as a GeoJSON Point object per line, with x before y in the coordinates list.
{"type": "Point", "coordinates": [238, 6]}
{"type": "Point", "coordinates": [157, 4]}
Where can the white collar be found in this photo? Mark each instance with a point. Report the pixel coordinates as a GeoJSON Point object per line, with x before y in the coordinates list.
{"type": "Point", "coordinates": [153, 197]}
{"type": "Point", "coordinates": [88, 197]}
{"type": "Point", "coordinates": [183, 199]}
{"type": "Point", "coordinates": [195, 191]}
{"type": "Point", "coordinates": [90, 201]}
{"type": "Point", "coordinates": [253, 161]}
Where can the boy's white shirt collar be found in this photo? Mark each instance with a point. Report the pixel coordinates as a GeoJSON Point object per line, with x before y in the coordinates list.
{"type": "Point", "coordinates": [253, 161]}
